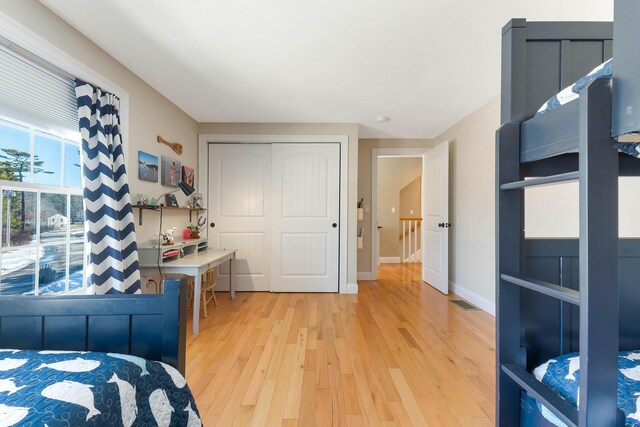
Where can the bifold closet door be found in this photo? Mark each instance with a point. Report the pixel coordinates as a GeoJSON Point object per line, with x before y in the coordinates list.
{"type": "Point", "coordinates": [240, 212]}
{"type": "Point", "coordinates": [306, 207]}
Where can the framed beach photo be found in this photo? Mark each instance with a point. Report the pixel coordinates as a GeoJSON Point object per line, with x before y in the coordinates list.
{"type": "Point", "coordinates": [147, 167]}
{"type": "Point", "coordinates": [171, 169]}
{"type": "Point", "coordinates": [187, 175]}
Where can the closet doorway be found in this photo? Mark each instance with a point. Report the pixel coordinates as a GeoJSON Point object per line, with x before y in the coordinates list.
{"type": "Point", "coordinates": [279, 205]}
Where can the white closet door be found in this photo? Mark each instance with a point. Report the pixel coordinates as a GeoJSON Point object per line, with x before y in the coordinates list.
{"type": "Point", "coordinates": [305, 237]}
{"type": "Point", "coordinates": [239, 206]}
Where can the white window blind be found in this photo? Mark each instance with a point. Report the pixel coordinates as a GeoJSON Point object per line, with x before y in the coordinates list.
{"type": "Point", "coordinates": [31, 93]}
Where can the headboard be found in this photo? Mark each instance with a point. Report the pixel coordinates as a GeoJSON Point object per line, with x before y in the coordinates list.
{"type": "Point", "coordinates": [541, 58]}
{"type": "Point", "coordinates": [148, 326]}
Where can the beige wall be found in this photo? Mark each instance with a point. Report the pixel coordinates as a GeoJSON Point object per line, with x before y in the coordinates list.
{"type": "Point", "coordinates": [554, 211]}
{"type": "Point", "coordinates": [351, 130]}
{"type": "Point", "coordinates": [410, 198]}
{"type": "Point", "coordinates": [150, 113]}
{"type": "Point", "coordinates": [472, 204]}
{"type": "Point", "coordinates": [364, 186]}
{"type": "Point", "coordinates": [394, 174]}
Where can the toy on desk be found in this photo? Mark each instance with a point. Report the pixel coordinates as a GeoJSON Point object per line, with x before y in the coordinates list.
{"type": "Point", "coordinates": [195, 231]}
{"type": "Point", "coordinates": [167, 236]}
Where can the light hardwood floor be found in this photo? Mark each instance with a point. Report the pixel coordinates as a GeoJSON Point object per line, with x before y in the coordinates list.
{"type": "Point", "coordinates": [398, 353]}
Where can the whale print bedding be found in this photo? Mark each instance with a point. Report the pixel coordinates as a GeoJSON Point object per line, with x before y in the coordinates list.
{"type": "Point", "coordinates": [562, 374]}
{"type": "Point", "coordinates": [571, 93]}
{"type": "Point", "coordinates": [60, 388]}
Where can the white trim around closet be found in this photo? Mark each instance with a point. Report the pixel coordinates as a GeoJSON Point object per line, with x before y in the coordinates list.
{"type": "Point", "coordinates": [203, 178]}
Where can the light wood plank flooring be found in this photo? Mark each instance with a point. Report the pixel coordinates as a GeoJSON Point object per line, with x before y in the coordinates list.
{"type": "Point", "coordinates": [398, 353]}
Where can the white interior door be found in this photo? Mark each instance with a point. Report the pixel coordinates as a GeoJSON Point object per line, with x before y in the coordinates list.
{"type": "Point", "coordinates": [306, 212]}
{"type": "Point", "coordinates": [239, 206]}
{"type": "Point", "coordinates": [435, 224]}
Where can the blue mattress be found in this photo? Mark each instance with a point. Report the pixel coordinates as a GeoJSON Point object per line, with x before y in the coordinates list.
{"type": "Point", "coordinates": [91, 389]}
{"type": "Point", "coordinates": [562, 375]}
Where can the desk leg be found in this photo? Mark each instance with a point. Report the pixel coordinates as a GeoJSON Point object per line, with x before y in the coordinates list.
{"type": "Point", "coordinates": [232, 292]}
{"type": "Point", "coordinates": [196, 302]}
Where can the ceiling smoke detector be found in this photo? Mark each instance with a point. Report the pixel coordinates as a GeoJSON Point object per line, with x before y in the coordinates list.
{"type": "Point", "coordinates": [382, 119]}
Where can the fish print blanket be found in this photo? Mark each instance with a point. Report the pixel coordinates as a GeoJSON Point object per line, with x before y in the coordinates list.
{"type": "Point", "coordinates": [571, 93]}
{"type": "Point", "coordinates": [60, 388]}
{"type": "Point", "coordinates": [562, 374]}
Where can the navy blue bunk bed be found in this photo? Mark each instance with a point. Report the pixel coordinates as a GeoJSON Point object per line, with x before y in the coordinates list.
{"type": "Point", "coordinates": [95, 360]}
{"type": "Point", "coordinates": [567, 310]}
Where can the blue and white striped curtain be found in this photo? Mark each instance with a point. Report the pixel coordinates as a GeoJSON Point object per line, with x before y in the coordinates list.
{"type": "Point", "coordinates": [112, 252]}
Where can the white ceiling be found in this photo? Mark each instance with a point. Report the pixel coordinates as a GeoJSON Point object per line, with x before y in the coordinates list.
{"type": "Point", "coordinates": [424, 63]}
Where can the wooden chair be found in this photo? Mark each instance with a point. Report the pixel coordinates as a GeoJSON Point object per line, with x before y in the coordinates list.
{"type": "Point", "coordinates": [208, 285]}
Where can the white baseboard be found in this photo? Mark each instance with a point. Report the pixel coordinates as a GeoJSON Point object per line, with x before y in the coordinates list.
{"type": "Point", "coordinates": [389, 260]}
{"type": "Point", "coordinates": [365, 275]}
{"type": "Point", "coordinates": [481, 302]}
{"type": "Point", "coordinates": [352, 288]}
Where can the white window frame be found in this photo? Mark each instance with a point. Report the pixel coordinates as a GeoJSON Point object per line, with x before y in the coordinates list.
{"type": "Point", "coordinates": [38, 189]}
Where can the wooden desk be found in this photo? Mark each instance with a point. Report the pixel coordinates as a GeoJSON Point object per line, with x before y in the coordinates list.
{"type": "Point", "coordinates": [195, 265]}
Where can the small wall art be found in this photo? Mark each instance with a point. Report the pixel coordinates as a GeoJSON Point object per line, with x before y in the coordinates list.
{"type": "Point", "coordinates": [170, 172]}
{"type": "Point", "coordinates": [187, 175]}
{"type": "Point", "coordinates": [147, 167]}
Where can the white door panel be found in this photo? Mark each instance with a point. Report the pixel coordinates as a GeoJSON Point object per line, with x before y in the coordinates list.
{"type": "Point", "coordinates": [306, 205]}
{"type": "Point", "coordinates": [435, 224]}
{"type": "Point", "coordinates": [239, 206]}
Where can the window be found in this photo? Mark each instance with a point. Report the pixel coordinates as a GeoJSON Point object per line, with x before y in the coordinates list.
{"type": "Point", "coordinates": [42, 216]}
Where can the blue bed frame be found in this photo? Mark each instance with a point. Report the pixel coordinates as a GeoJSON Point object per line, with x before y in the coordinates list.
{"type": "Point", "coordinates": [538, 315]}
{"type": "Point", "coordinates": [149, 326]}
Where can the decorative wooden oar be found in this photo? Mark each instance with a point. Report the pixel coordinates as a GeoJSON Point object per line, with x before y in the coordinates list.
{"type": "Point", "coordinates": [174, 145]}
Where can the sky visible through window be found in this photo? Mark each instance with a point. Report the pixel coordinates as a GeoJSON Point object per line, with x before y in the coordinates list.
{"type": "Point", "coordinates": [49, 151]}
{"type": "Point", "coordinates": [15, 157]}
{"type": "Point", "coordinates": [14, 139]}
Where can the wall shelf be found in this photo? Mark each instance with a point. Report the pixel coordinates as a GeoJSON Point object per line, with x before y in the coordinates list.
{"type": "Point", "coordinates": [165, 208]}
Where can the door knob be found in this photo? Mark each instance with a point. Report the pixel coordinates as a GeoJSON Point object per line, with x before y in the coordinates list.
{"type": "Point", "coordinates": [334, 225]}
{"type": "Point", "coordinates": [441, 224]}
{"type": "Point", "coordinates": [213, 224]}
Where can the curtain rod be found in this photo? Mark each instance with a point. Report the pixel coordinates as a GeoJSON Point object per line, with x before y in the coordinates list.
{"type": "Point", "coordinates": [35, 61]}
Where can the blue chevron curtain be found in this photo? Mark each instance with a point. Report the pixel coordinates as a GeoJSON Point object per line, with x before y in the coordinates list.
{"type": "Point", "coordinates": [112, 264]}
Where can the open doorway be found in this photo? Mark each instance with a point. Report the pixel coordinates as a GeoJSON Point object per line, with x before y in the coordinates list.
{"type": "Point", "coordinates": [413, 235]}
{"type": "Point", "coordinates": [399, 209]}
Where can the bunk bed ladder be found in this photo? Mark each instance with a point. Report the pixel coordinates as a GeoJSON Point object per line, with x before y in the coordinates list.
{"type": "Point", "coordinates": [598, 296]}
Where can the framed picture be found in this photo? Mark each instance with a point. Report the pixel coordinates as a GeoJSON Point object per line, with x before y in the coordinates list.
{"type": "Point", "coordinates": [147, 167]}
{"type": "Point", "coordinates": [187, 175]}
{"type": "Point", "coordinates": [171, 201]}
{"type": "Point", "coordinates": [170, 172]}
